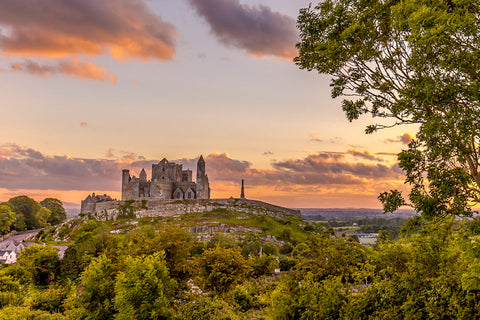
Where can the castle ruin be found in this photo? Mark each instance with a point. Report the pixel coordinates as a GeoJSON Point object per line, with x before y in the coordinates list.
{"type": "Point", "coordinates": [169, 181]}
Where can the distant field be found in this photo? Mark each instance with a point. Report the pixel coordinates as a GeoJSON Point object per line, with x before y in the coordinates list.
{"type": "Point", "coordinates": [326, 214]}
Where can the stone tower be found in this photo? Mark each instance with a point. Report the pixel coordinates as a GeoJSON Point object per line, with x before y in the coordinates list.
{"type": "Point", "coordinates": [143, 176]}
{"type": "Point", "coordinates": [125, 181]}
{"type": "Point", "coordinates": [203, 187]}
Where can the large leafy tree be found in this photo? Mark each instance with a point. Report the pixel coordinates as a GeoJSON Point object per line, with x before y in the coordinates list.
{"type": "Point", "coordinates": [26, 210]}
{"type": "Point", "coordinates": [144, 290]}
{"type": "Point", "coordinates": [7, 218]}
{"type": "Point", "coordinates": [98, 285]}
{"type": "Point", "coordinates": [41, 262]}
{"type": "Point", "coordinates": [221, 268]}
{"type": "Point", "coordinates": [58, 213]}
{"type": "Point", "coordinates": [41, 217]}
{"type": "Point", "coordinates": [408, 62]}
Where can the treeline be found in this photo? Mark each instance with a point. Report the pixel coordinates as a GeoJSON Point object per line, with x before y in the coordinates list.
{"type": "Point", "coordinates": [24, 213]}
{"type": "Point", "coordinates": [162, 272]}
{"type": "Point", "coordinates": [386, 227]}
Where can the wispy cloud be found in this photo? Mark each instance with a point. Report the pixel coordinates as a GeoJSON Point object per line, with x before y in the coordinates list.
{"type": "Point", "coordinates": [405, 139]}
{"type": "Point", "coordinates": [367, 155]}
{"type": "Point", "coordinates": [71, 67]}
{"type": "Point", "coordinates": [256, 29]}
{"type": "Point", "coordinates": [317, 137]}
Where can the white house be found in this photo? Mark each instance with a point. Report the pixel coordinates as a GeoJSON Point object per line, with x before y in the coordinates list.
{"type": "Point", "coordinates": [8, 256]}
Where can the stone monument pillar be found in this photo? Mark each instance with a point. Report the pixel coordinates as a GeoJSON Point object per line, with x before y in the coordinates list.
{"type": "Point", "coordinates": [242, 193]}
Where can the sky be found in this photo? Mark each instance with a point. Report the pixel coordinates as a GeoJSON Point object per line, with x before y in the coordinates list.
{"type": "Point", "coordinates": [93, 87]}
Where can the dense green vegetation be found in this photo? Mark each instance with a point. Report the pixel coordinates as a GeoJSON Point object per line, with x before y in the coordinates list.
{"type": "Point", "coordinates": [22, 213]}
{"type": "Point", "coordinates": [154, 268]}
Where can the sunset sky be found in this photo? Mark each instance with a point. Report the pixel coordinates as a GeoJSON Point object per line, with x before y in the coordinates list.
{"type": "Point", "coordinates": [91, 87]}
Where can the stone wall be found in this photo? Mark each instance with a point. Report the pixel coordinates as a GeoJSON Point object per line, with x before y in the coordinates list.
{"type": "Point", "coordinates": [155, 208]}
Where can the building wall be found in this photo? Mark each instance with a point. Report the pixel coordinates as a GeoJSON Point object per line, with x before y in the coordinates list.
{"type": "Point", "coordinates": [161, 189]}
{"type": "Point", "coordinates": [166, 178]}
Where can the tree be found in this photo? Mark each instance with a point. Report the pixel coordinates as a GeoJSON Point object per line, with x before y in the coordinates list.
{"type": "Point", "coordinates": [208, 308]}
{"type": "Point", "coordinates": [308, 299]}
{"type": "Point", "coordinates": [144, 289]}
{"type": "Point", "coordinates": [58, 213]}
{"type": "Point", "coordinates": [42, 262]}
{"type": "Point", "coordinates": [408, 62]}
{"type": "Point", "coordinates": [7, 218]}
{"type": "Point", "coordinates": [176, 243]}
{"type": "Point", "coordinates": [432, 274]}
{"type": "Point", "coordinates": [71, 265]}
{"type": "Point", "coordinates": [220, 268]}
{"type": "Point", "coordinates": [98, 284]}
{"type": "Point", "coordinates": [9, 291]}
{"type": "Point", "coordinates": [25, 210]}
{"type": "Point", "coordinates": [41, 218]}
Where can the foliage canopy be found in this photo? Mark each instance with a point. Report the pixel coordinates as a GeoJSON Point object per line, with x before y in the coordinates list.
{"type": "Point", "coordinates": [7, 218]}
{"type": "Point", "coordinates": [408, 62]}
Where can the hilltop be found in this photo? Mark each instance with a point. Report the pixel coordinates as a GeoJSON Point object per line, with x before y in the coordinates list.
{"type": "Point", "coordinates": [278, 228]}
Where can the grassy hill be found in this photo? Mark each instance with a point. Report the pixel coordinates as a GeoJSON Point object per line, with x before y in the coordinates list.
{"type": "Point", "coordinates": [202, 225]}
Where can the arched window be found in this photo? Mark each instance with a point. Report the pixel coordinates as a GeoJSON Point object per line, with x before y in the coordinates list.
{"type": "Point", "coordinates": [178, 195]}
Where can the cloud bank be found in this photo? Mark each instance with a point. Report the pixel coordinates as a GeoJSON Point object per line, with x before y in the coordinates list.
{"type": "Point", "coordinates": [22, 167]}
{"type": "Point", "coordinates": [58, 28]}
{"type": "Point", "coordinates": [256, 29]}
{"type": "Point", "coordinates": [123, 29]}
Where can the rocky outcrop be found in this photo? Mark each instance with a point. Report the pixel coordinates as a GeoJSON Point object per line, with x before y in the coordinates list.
{"type": "Point", "coordinates": [168, 208]}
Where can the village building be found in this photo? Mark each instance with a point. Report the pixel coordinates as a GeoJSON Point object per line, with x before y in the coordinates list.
{"type": "Point", "coordinates": [10, 250]}
{"type": "Point", "coordinates": [8, 256]}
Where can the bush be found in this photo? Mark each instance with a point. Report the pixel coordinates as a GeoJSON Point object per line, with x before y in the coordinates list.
{"type": "Point", "coordinates": [208, 308]}
{"type": "Point", "coordinates": [50, 300]}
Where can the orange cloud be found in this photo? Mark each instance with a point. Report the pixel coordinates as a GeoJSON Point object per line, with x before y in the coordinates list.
{"type": "Point", "coordinates": [367, 155]}
{"type": "Point", "coordinates": [123, 29]}
{"type": "Point", "coordinates": [405, 138]}
{"type": "Point", "coordinates": [53, 28]}
{"type": "Point", "coordinates": [73, 67]}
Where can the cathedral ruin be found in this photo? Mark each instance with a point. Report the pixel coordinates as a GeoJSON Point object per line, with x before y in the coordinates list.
{"type": "Point", "coordinates": [169, 181]}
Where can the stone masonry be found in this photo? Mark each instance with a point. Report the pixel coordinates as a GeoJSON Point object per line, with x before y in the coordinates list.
{"type": "Point", "coordinates": [169, 181]}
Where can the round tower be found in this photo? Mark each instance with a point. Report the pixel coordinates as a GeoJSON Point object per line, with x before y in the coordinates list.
{"type": "Point", "coordinates": [125, 181]}
{"type": "Point", "coordinates": [200, 168]}
{"type": "Point", "coordinates": [202, 185]}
